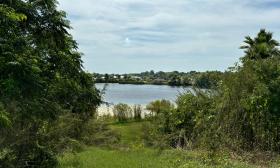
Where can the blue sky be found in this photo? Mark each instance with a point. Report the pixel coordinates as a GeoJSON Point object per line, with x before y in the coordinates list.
{"type": "Point", "coordinates": [119, 36]}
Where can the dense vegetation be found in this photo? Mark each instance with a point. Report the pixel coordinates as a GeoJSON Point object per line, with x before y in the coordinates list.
{"type": "Point", "coordinates": [48, 102]}
{"type": "Point", "coordinates": [133, 153]}
{"type": "Point", "coordinates": [46, 98]}
{"type": "Point", "coordinates": [207, 79]}
{"type": "Point", "coordinates": [241, 114]}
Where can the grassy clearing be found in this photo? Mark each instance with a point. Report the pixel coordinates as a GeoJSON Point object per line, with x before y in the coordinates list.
{"type": "Point", "coordinates": [131, 134]}
{"type": "Point", "coordinates": [132, 154]}
{"type": "Point", "coordinates": [143, 158]}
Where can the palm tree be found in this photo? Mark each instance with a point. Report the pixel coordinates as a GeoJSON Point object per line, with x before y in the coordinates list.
{"type": "Point", "coordinates": [261, 47]}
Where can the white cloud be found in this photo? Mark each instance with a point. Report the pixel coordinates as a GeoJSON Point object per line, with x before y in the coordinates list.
{"type": "Point", "coordinates": [141, 31]}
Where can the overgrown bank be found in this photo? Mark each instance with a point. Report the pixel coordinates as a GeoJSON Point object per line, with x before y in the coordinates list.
{"type": "Point", "coordinates": [131, 152]}
{"type": "Point", "coordinates": [241, 114]}
{"type": "Point", "coordinates": [48, 102]}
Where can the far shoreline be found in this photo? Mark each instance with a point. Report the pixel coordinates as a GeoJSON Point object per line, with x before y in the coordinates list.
{"type": "Point", "coordinates": [152, 84]}
{"type": "Point", "coordinates": [144, 83]}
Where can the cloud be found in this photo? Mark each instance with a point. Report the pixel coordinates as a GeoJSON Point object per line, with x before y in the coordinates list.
{"type": "Point", "coordinates": [138, 35]}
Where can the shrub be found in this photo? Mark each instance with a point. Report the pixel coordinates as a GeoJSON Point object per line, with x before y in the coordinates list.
{"type": "Point", "coordinates": [122, 112]}
{"type": "Point", "coordinates": [188, 124]}
{"type": "Point", "coordinates": [249, 109]}
{"type": "Point", "coordinates": [159, 106]}
{"type": "Point", "coordinates": [157, 132]}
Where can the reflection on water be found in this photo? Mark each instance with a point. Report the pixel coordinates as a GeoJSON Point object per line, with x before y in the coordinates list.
{"type": "Point", "coordinates": [139, 94]}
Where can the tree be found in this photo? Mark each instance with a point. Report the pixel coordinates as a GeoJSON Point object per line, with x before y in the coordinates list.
{"type": "Point", "coordinates": [242, 111]}
{"type": "Point", "coordinates": [261, 47]}
{"type": "Point", "coordinates": [41, 79]}
{"type": "Point", "coordinates": [248, 111]}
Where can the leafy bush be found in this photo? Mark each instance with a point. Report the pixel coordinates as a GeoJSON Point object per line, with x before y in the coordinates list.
{"type": "Point", "coordinates": [193, 117]}
{"type": "Point", "coordinates": [156, 131]}
{"type": "Point", "coordinates": [159, 106]}
{"type": "Point", "coordinates": [249, 115]}
{"type": "Point", "coordinates": [4, 119]}
{"type": "Point", "coordinates": [122, 112]}
{"type": "Point", "coordinates": [186, 125]}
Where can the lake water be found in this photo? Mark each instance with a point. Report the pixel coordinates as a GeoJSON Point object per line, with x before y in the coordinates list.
{"type": "Point", "coordinates": [139, 94]}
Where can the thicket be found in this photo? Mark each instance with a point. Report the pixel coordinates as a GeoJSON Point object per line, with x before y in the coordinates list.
{"type": "Point", "coordinates": [47, 100]}
{"type": "Point", "coordinates": [241, 114]}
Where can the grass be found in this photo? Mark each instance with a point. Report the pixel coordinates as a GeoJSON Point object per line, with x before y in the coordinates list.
{"type": "Point", "coordinates": [131, 133]}
{"type": "Point", "coordinates": [132, 154]}
{"type": "Point", "coordinates": [144, 158]}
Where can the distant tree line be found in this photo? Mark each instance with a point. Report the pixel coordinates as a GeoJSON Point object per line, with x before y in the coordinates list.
{"type": "Point", "coordinates": [208, 79]}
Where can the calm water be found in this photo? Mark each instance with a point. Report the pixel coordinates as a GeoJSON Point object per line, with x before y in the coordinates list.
{"type": "Point", "coordinates": [139, 94]}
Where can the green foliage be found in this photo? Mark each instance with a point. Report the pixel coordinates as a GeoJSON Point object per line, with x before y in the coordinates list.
{"type": "Point", "coordinates": [208, 79]}
{"type": "Point", "coordinates": [193, 117]}
{"type": "Point", "coordinates": [130, 134]}
{"type": "Point", "coordinates": [240, 113]}
{"type": "Point", "coordinates": [10, 13]}
{"type": "Point", "coordinates": [146, 158]}
{"type": "Point", "coordinates": [122, 112]}
{"type": "Point", "coordinates": [70, 160]}
{"type": "Point", "coordinates": [41, 79]}
{"type": "Point", "coordinates": [136, 156]}
{"type": "Point", "coordinates": [248, 109]}
{"type": "Point", "coordinates": [4, 119]}
{"type": "Point", "coordinates": [261, 47]}
{"type": "Point", "coordinates": [157, 133]}
{"type": "Point", "coordinates": [184, 126]}
{"type": "Point", "coordinates": [159, 106]}
{"type": "Point", "coordinates": [97, 133]}
{"type": "Point", "coordinates": [33, 155]}
{"type": "Point", "coordinates": [253, 104]}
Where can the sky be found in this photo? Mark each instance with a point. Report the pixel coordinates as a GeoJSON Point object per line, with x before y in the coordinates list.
{"type": "Point", "coordinates": [125, 36]}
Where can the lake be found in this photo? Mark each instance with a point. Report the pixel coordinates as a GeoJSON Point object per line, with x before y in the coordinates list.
{"type": "Point", "coordinates": [139, 94]}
